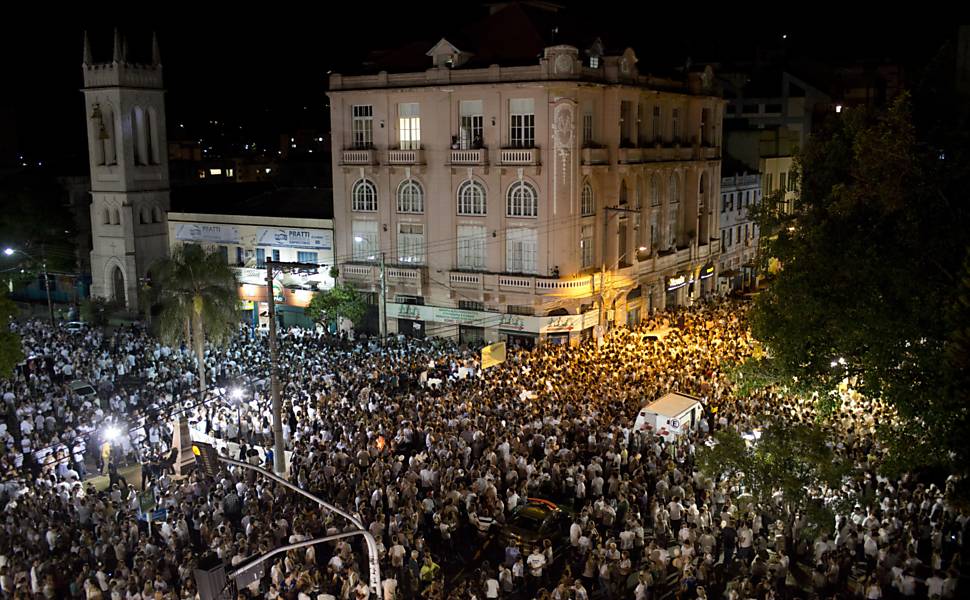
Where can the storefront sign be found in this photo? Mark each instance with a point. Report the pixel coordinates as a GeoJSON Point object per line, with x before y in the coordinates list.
{"type": "Point", "coordinates": [562, 324]}
{"type": "Point", "coordinates": [303, 239]}
{"type": "Point", "coordinates": [675, 283]}
{"type": "Point", "coordinates": [513, 323]}
{"type": "Point", "coordinates": [707, 271]}
{"type": "Point", "coordinates": [204, 232]}
{"type": "Point", "coordinates": [504, 322]}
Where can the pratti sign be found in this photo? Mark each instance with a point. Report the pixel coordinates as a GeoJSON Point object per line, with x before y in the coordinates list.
{"type": "Point", "coordinates": [205, 232]}
{"type": "Point", "coordinates": [303, 239]}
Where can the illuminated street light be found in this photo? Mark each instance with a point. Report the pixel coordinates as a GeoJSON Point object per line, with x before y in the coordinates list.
{"type": "Point", "coordinates": [112, 433]}
{"type": "Point", "coordinates": [236, 394]}
{"type": "Point", "coordinates": [9, 251]}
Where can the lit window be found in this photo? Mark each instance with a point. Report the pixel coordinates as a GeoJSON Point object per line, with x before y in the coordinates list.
{"type": "Point", "coordinates": [365, 240]}
{"type": "Point", "coordinates": [215, 171]}
{"type": "Point", "coordinates": [409, 125]}
{"type": "Point", "coordinates": [520, 250]}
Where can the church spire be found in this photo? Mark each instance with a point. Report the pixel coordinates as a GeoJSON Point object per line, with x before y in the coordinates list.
{"type": "Point", "coordinates": [156, 55]}
{"type": "Point", "coordinates": [117, 59]}
{"type": "Point", "coordinates": [87, 60]}
{"type": "Point", "coordinates": [124, 48]}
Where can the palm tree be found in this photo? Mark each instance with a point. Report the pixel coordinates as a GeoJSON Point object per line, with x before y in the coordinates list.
{"type": "Point", "coordinates": [197, 293]}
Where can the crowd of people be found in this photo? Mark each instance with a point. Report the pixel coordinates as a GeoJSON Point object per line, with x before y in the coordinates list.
{"type": "Point", "coordinates": [434, 472]}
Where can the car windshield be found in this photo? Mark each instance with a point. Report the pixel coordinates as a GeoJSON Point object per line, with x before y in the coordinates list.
{"type": "Point", "coordinates": [84, 390]}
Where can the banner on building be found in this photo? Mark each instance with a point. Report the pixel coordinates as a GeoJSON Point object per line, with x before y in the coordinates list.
{"type": "Point", "coordinates": [302, 239]}
{"type": "Point", "coordinates": [206, 233]}
{"type": "Point", "coordinates": [493, 354]}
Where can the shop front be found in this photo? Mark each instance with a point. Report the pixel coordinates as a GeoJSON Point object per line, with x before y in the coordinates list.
{"type": "Point", "coordinates": [707, 279]}
{"type": "Point", "coordinates": [676, 287]}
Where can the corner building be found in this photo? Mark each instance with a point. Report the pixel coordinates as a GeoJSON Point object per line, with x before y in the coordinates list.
{"type": "Point", "coordinates": [526, 203]}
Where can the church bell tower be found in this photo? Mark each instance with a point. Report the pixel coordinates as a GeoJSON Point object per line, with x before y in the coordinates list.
{"type": "Point", "coordinates": [124, 108]}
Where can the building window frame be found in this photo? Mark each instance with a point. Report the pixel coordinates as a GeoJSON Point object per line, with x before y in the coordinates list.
{"type": "Point", "coordinates": [362, 126]}
{"type": "Point", "coordinates": [410, 197]}
{"type": "Point", "coordinates": [364, 196]}
{"type": "Point", "coordinates": [472, 199]}
{"type": "Point", "coordinates": [522, 200]}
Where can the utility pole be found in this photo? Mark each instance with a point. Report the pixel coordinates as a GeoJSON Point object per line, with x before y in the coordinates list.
{"type": "Point", "coordinates": [382, 303]}
{"type": "Point", "coordinates": [279, 459]}
{"type": "Point", "coordinates": [47, 284]}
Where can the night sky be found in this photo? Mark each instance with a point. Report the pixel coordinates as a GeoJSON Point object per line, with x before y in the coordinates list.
{"type": "Point", "coordinates": [268, 75]}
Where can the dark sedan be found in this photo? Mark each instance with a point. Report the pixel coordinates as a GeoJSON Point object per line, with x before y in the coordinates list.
{"type": "Point", "coordinates": [534, 521]}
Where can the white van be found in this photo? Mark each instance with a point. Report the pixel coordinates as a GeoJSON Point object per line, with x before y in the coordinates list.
{"type": "Point", "coordinates": [670, 416]}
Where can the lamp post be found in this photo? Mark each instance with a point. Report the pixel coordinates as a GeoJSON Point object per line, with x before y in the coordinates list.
{"type": "Point", "coordinates": [47, 281]}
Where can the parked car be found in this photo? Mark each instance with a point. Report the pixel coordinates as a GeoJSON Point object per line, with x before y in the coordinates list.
{"type": "Point", "coordinates": [74, 326]}
{"type": "Point", "coordinates": [84, 390]}
{"type": "Point", "coordinates": [534, 521]}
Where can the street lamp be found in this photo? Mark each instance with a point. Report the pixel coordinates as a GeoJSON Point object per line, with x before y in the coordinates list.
{"type": "Point", "coordinates": [47, 280]}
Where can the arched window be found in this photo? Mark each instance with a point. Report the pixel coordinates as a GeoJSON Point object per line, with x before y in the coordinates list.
{"type": "Point", "coordinates": [107, 217]}
{"type": "Point", "coordinates": [116, 217]}
{"type": "Point", "coordinates": [143, 216]}
{"type": "Point", "coordinates": [586, 205]}
{"type": "Point", "coordinates": [151, 136]}
{"type": "Point", "coordinates": [522, 200]}
{"type": "Point", "coordinates": [410, 197]}
{"type": "Point", "coordinates": [156, 215]}
{"type": "Point", "coordinates": [471, 198]}
{"type": "Point", "coordinates": [364, 196]}
{"type": "Point", "coordinates": [138, 126]}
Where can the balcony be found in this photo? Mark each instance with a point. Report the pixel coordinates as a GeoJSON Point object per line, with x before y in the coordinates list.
{"type": "Point", "coordinates": [477, 156]}
{"type": "Point", "coordinates": [404, 275]}
{"type": "Point", "coordinates": [519, 156]}
{"type": "Point", "coordinates": [359, 156]}
{"type": "Point", "coordinates": [595, 156]}
{"type": "Point", "coordinates": [630, 155]}
{"type": "Point", "coordinates": [405, 157]}
{"type": "Point", "coordinates": [515, 283]}
{"type": "Point", "coordinates": [471, 281]}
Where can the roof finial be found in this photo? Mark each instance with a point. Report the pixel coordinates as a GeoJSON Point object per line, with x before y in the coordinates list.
{"type": "Point", "coordinates": [156, 55]}
{"type": "Point", "coordinates": [87, 60]}
{"type": "Point", "coordinates": [124, 48]}
{"type": "Point", "coordinates": [116, 57]}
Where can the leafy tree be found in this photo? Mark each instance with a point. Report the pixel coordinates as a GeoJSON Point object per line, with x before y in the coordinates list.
{"type": "Point", "coordinates": [11, 349]}
{"type": "Point", "coordinates": [198, 298]}
{"type": "Point", "coordinates": [339, 301]}
{"type": "Point", "coordinates": [786, 472]}
{"type": "Point", "coordinates": [869, 259]}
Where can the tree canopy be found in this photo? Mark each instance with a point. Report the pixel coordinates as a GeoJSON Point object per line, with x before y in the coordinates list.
{"type": "Point", "coordinates": [198, 296]}
{"type": "Point", "coordinates": [871, 261]}
{"type": "Point", "coordinates": [341, 301]}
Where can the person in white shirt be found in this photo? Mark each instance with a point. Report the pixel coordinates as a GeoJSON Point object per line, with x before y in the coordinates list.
{"type": "Point", "coordinates": [389, 586]}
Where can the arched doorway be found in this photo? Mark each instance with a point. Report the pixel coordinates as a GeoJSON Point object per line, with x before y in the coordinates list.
{"type": "Point", "coordinates": [118, 285]}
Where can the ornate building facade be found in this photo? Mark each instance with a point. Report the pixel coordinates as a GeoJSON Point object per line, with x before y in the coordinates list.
{"type": "Point", "coordinates": [525, 202]}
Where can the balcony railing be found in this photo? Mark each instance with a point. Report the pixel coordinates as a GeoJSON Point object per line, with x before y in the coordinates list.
{"type": "Point", "coordinates": [630, 155]}
{"type": "Point", "coordinates": [595, 156]}
{"type": "Point", "coordinates": [520, 156]}
{"type": "Point", "coordinates": [359, 156]}
{"type": "Point", "coordinates": [477, 156]}
{"type": "Point", "coordinates": [404, 275]}
{"type": "Point", "coordinates": [465, 280]}
{"type": "Point", "coordinates": [405, 157]}
{"type": "Point", "coordinates": [524, 284]}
